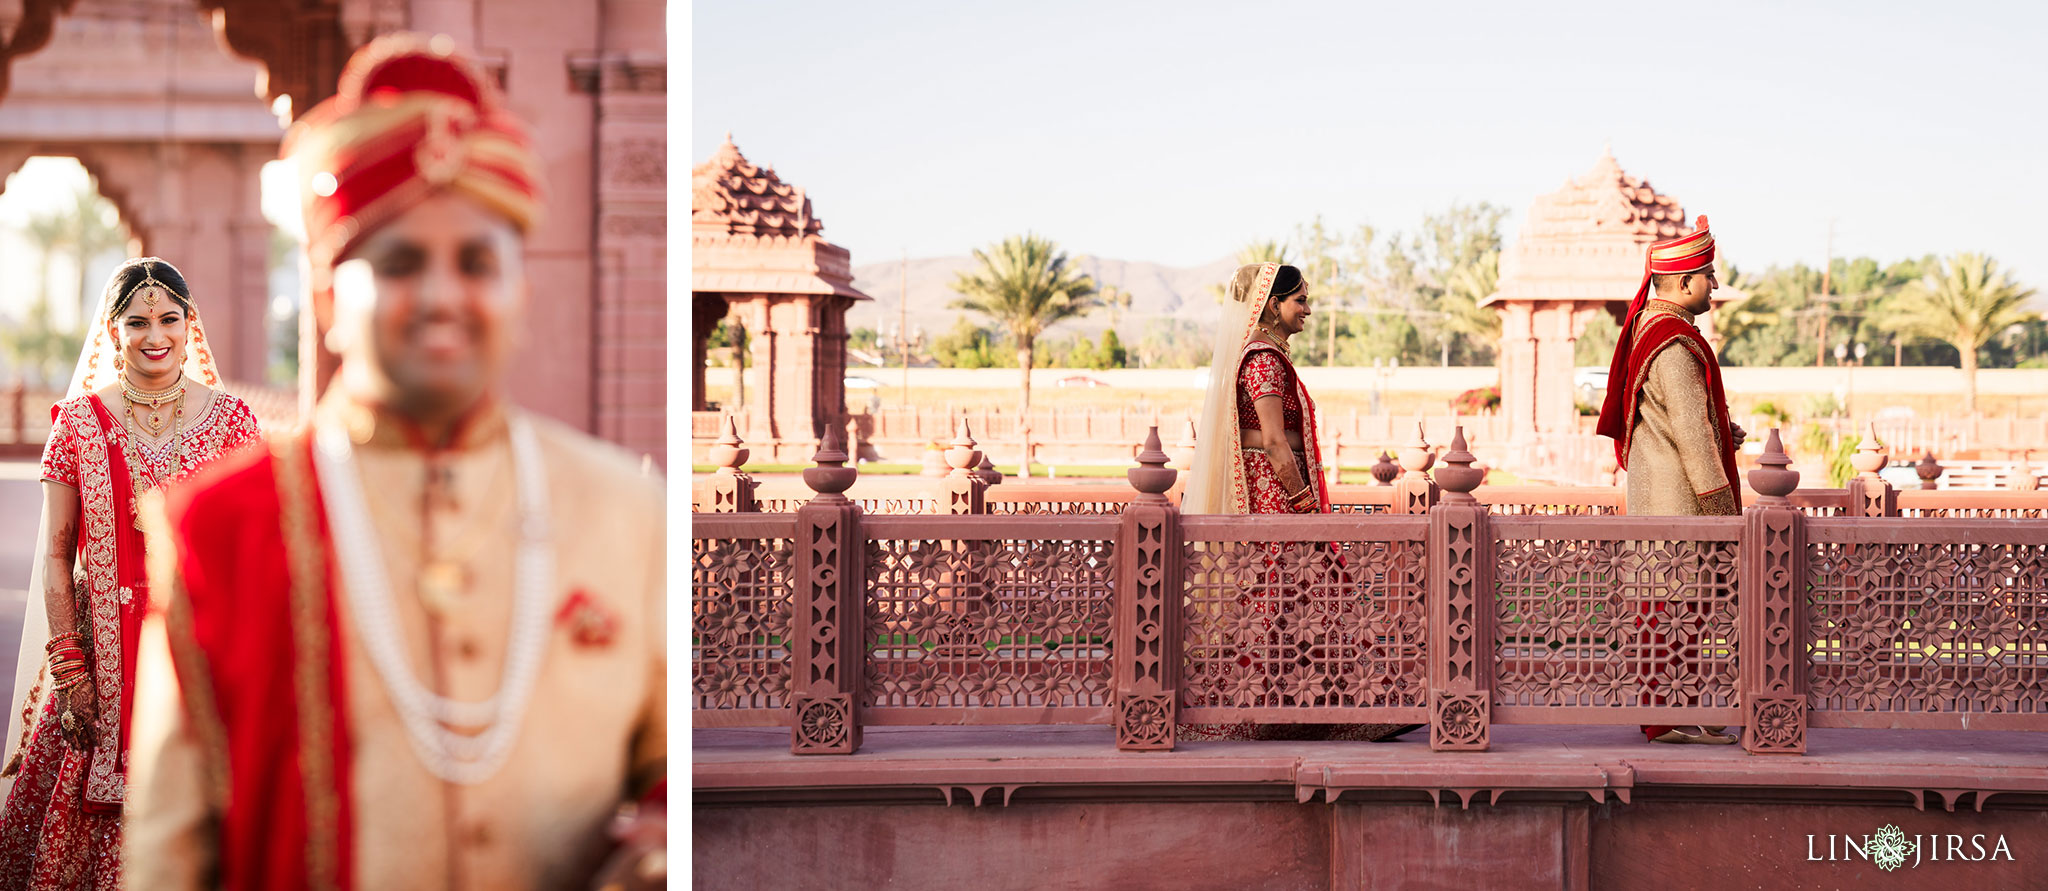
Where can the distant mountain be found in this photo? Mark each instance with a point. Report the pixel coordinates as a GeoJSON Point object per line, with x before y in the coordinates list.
{"type": "Point", "coordinates": [1156, 292]}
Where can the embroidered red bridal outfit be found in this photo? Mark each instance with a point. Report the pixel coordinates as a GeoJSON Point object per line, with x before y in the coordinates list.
{"type": "Point", "coordinates": [1232, 475]}
{"type": "Point", "coordinates": [113, 439]}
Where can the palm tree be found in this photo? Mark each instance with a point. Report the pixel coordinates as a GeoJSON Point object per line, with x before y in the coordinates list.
{"type": "Point", "coordinates": [1469, 284]}
{"type": "Point", "coordinates": [92, 227]}
{"type": "Point", "coordinates": [1966, 301]}
{"type": "Point", "coordinates": [36, 344]}
{"type": "Point", "coordinates": [1025, 285]}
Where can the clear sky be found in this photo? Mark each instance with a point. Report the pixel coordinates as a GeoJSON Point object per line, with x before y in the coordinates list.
{"type": "Point", "coordinates": [1175, 132]}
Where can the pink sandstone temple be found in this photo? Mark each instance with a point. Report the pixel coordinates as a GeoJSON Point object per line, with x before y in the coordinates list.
{"type": "Point", "coordinates": [759, 260]}
{"type": "Point", "coordinates": [1579, 254]}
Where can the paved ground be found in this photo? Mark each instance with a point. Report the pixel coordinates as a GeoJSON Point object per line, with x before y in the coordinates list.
{"type": "Point", "coordinates": [21, 506]}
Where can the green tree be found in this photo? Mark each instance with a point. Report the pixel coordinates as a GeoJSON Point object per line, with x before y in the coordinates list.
{"type": "Point", "coordinates": [967, 346]}
{"type": "Point", "coordinates": [1965, 301]}
{"type": "Point", "coordinates": [37, 345]}
{"type": "Point", "coordinates": [1478, 326]}
{"type": "Point", "coordinates": [1024, 285]}
{"type": "Point", "coordinates": [92, 227]}
{"type": "Point", "coordinates": [1111, 352]}
{"type": "Point", "coordinates": [1421, 267]}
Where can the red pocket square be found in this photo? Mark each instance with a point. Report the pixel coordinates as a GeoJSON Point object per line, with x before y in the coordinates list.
{"type": "Point", "coordinates": [590, 624]}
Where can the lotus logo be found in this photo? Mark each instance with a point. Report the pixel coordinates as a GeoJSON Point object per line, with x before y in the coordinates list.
{"type": "Point", "coordinates": [1890, 848]}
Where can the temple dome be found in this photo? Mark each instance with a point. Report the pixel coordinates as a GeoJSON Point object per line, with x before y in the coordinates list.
{"type": "Point", "coordinates": [1607, 200]}
{"type": "Point", "coordinates": [735, 196]}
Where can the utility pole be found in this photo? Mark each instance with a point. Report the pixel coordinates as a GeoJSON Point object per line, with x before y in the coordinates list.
{"type": "Point", "coordinates": [903, 319]}
{"type": "Point", "coordinates": [1826, 279]}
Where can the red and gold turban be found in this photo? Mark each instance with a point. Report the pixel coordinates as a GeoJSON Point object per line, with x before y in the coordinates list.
{"type": "Point", "coordinates": [411, 118]}
{"type": "Point", "coordinates": [1677, 256]}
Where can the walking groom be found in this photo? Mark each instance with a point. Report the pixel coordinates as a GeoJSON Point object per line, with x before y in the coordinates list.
{"type": "Point", "coordinates": [417, 644]}
{"type": "Point", "coordinates": [1668, 417]}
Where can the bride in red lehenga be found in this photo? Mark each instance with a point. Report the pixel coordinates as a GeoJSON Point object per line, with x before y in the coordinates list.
{"type": "Point", "coordinates": [144, 410]}
{"type": "Point", "coordinates": [1257, 454]}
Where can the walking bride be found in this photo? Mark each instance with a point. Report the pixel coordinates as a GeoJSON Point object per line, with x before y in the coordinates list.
{"type": "Point", "coordinates": [144, 410]}
{"type": "Point", "coordinates": [1256, 453]}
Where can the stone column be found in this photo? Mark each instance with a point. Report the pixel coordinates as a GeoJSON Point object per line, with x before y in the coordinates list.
{"type": "Point", "coordinates": [1772, 662]}
{"type": "Point", "coordinates": [1148, 608]}
{"type": "Point", "coordinates": [1461, 608]}
{"type": "Point", "coordinates": [629, 334]}
{"type": "Point", "coordinates": [827, 651]}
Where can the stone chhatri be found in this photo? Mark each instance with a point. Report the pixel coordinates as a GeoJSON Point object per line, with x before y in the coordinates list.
{"type": "Point", "coordinates": [734, 196]}
{"type": "Point", "coordinates": [1579, 253]}
{"type": "Point", "coordinates": [759, 260]}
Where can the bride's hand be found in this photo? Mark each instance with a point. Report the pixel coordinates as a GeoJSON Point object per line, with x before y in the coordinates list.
{"type": "Point", "coordinates": [78, 702]}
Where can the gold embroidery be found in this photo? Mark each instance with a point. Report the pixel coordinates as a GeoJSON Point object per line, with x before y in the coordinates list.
{"type": "Point", "coordinates": [307, 561]}
{"type": "Point", "coordinates": [105, 781]}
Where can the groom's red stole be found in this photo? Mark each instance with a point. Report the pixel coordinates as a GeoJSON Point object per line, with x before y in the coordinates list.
{"type": "Point", "coordinates": [1625, 378]}
{"type": "Point", "coordinates": [254, 636]}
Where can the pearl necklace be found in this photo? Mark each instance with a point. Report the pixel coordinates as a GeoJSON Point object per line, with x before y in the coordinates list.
{"type": "Point", "coordinates": [454, 757]}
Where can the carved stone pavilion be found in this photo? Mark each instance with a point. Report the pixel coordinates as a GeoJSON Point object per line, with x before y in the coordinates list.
{"type": "Point", "coordinates": [174, 106]}
{"type": "Point", "coordinates": [759, 259]}
{"type": "Point", "coordinates": [1579, 253]}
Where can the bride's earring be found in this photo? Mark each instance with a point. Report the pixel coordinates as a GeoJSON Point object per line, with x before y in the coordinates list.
{"type": "Point", "coordinates": [120, 364]}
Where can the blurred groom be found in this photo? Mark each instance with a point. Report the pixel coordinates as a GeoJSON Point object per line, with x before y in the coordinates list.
{"type": "Point", "coordinates": [418, 644]}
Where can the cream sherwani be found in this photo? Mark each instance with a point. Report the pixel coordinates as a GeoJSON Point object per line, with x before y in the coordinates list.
{"type": "Point", "coordinates": [1673, 455]}
{"type": "Point", "coordinates": [593, 735]}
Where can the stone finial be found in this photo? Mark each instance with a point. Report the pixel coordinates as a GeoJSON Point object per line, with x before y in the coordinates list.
{"type": "Point", "coordinates": [1151, 477]}
{"type": "Point", "coordinates": [831, 477]}
{"type": "Point", "coordinates": [963, 456]}
{"type": "Point", "coordinates": [1183, 454]}
{"type": "Point", "coordinates": [1929, 470]}
{"type": "Point", "coordinates": [1458, 477]}
{"type": "Point", "coordinates": [1870, 456]}
{"type": "Point", "coordinates": [1384, 470]}
{"type": "Point", "coordinates": [1772, 479]}
{"type": "Point", "coordinates": [727, 452]}
{"type": "Point", "coordinates": [1416, 457]}
{"type": "Point", "coordinates": [987, 472]}
{"type": "Point", "coordinates": [934, 461]}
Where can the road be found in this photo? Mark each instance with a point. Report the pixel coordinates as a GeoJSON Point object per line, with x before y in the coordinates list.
{"type": "Point", "coordinates": [21, 504]}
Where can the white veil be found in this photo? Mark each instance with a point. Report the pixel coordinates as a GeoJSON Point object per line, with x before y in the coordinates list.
{"type": "Point", "coordinates": [1216, 483]}
{"type": "Point", "coordinates": [95, 370]}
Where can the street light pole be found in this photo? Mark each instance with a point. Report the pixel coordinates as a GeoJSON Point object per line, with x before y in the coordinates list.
{"type": "Point", "coordinates": [904, 318]}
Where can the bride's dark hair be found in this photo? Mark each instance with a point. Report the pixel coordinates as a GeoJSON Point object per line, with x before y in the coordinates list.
{"type": "Point", "coordinates": [121, 286]}
{"type": "Point", "coordinates": [1287, 281]}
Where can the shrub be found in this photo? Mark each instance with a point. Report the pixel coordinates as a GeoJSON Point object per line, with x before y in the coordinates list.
{"type": "Point", "coordinates": [1478, 400]}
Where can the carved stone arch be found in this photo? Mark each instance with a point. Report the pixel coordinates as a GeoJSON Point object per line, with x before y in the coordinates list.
{"type": "Point", "coordinates": [300, 43]}
{"type": "Point", "coordinates": [122, 174]}
{"type": "Point", "coordinates": [26, 26]}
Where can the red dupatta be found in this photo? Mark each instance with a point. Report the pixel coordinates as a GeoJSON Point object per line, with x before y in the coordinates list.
{"type": "Point", "coordinates": [1664, 331]}
{"type": "Point", "coordinates": [110, 550]}
{"type": "Point", "coordinates": [255, 637]}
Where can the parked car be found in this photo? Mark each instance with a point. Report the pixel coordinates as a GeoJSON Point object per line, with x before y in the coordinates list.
{"type": "Point", "coordinates": [1590, 383]}
{"type": "Point", "coordinates": [1080, 380]}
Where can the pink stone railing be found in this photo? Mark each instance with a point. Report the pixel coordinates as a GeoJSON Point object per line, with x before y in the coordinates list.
{"type": "Point", "coordinates": [1436, 609]}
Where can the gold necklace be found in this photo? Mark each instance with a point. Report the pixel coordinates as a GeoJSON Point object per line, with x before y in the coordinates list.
{"type": "Point", "coordinates": [1278, 341]}
{"type": "Point", "coordinates": [155, 400]}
